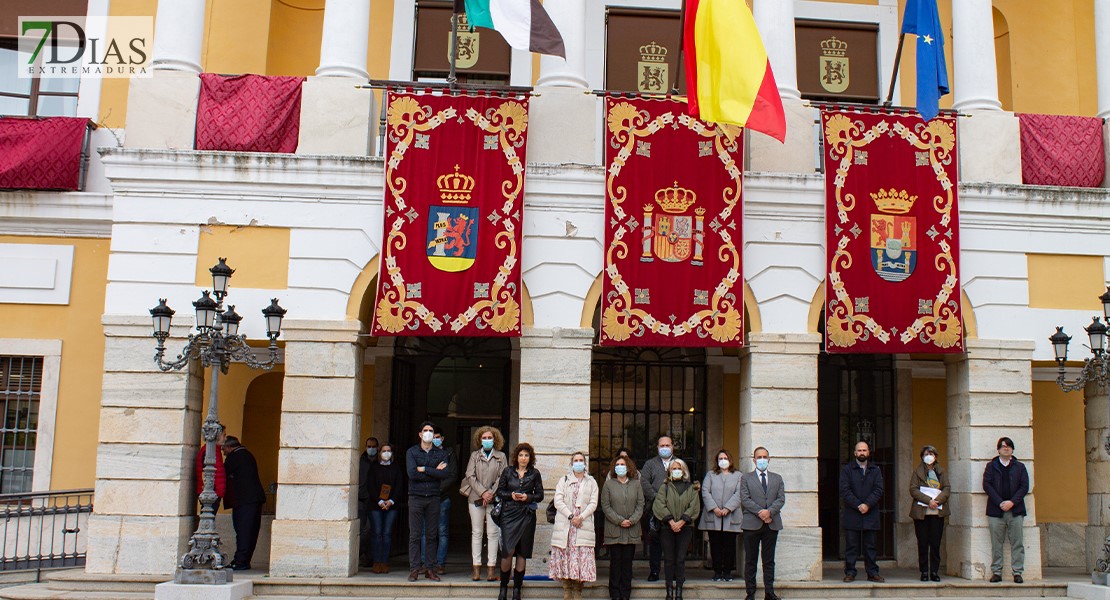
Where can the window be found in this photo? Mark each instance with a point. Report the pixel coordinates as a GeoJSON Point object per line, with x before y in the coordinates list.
{"type": "Point", "coordinates": [34, 97]}
{"type": "Point", "coordinates": [20, 391]}
{"type": "Point", "coordinates": [483, 56]}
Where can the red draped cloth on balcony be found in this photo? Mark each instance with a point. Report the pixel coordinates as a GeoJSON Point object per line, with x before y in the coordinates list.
{"type": "Point", "coordinates": [1061, 150]}
{"type": "Point", "coordinates": [248, 113]}
{"type": "Point", "coordinates": [41, 154]}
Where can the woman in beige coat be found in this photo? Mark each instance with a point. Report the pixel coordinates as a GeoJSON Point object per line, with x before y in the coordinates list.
{"type": "Point", "coordinates": [479, 484]}
{"type": "Point", "coordinates": [573, 537]}
{"type": "Point", "coordinates": [622, 503]}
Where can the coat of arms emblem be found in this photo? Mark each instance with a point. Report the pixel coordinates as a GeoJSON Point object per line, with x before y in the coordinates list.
{"type": "Point", "coordinates": [893, 235]}
{"type": "Point", "coordinates": [834, 65]}
{"type": "Point", "coordinates": [674, 236]}
{"type": "Point", "coordinates": [466, 49]}
{"type": "Point", "coordinates": [651, 71]}
{"type": "Point", "coordinates": [453, 226]}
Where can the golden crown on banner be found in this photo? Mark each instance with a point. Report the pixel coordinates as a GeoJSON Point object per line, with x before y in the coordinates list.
{"type": "Point", "coordinates": [455, 188]}
{"type": "Point", "coordinates": [834, 47]}
{"type": "Point", "coordinates": [675, 199]}
{"type": "Point", "coordinates": [653, 53]}
{"type": "Point", "coordinates": [898, 202]}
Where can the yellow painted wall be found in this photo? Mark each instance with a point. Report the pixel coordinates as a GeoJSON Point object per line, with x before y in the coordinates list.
{"type": "Point", "coordinates": [1060, 475]}
{"type": "Point", "coordinates": [79, 384]}
{"type": "Point", "coordinates": [235, 36]}
{"type": "Point", "coordinates": [262, 427]}
{"type": "Point", "coordinates": [366, 428]}
{"type": "Point", "coordinates": [1065, 281]}
{"type": "Point", "coordinates": [730, 418]}
{"type": "Point", "coordinates": [259, 255]}
{"type": "Point", "coordinates": [930, 417]}
{"type": "Point", "coordinates": [113, 92]}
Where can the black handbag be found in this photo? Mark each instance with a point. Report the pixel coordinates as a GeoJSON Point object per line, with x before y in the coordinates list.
{"type": "Point", "coordinates": [551, 512]}
{"type": "Point", "coordinates": [495, 513]}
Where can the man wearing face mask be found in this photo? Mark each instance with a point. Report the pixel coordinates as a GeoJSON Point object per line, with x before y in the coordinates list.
{"type": "Point", "coordinates": [861, 489]}
{"type": "Point", "coordinates": [653, 475]}
{"type": "Point", "coordinates": [440, 557]}
{"type": "Point", "coordinates": [426, 466]}
{"type": "Point", "coordinates": [762, 496]}
{"type": "Point", "coordinates": [366, 462]}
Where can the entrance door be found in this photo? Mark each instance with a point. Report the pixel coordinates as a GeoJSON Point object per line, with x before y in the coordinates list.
{"type": "Point", "coordinates": [856, 400]}
{"type": "Point", "coordinates": [459, 384]}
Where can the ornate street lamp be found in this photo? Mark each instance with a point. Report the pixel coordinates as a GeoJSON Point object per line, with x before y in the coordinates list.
{"type": "Point", "coordinates": [215, 344]}
{"type": "Point", "coordinates": [1096, 369]}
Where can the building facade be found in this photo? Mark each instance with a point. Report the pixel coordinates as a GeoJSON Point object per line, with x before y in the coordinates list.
{"type": "Point", "coordinates": [155, 215]}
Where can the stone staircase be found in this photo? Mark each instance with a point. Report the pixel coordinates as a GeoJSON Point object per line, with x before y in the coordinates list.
{"type": "Point", "coordinates": [76, 585]}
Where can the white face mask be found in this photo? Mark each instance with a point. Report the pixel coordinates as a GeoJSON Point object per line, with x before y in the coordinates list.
{"type": "Point", "coordinates": [676, 473]}
{"type": "Point", "coordinates": [387, 455]}
{"type": "Point", "coordinates": [929, 459]}
{"type": "Point", "coordinates": [723, 463]}
{"type": "Point", "coordinates": [427, 436]}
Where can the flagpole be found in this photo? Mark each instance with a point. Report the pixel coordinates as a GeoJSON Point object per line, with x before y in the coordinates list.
{"type": "Point", "coordinates": [451, 78]}
{"type": "Point", "coordinates": [681, 43]}
{"type": "Point", "coordinates": [894, 74]}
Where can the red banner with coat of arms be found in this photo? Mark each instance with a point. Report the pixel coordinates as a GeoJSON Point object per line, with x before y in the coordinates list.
{"type": "Point", "coordinates": [892, 234]}
{"type": "Point", "coordinates": [454, 179]}
{"type": "Point", "coordinates": [672, 228]}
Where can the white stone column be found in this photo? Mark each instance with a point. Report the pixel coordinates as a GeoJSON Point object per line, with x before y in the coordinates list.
{"type": "Point", "coordinates": [778, 410]}
{"type": "Point", "coordinates": [345, 37]}
{"type": "Point", "coordinates": [178, 35]}
{"type": "Point", "coordinates": [775, 20]}
{"type": "Point", "coordinates": [315, 531]}
{"type": "Point", "coordinates": [976, 72]}
{"type": "Point", "coordinates": [1102, 55]}
{"type": "Point", "coordinates": [554, 411]}
{"type": "Point", "coordinates": [990, 395]}
{"type": "Point", "coordinates": [569, 17]}
{"type": "Point", "coordinates": [145, 509]}
{"type": "Point", "coordinates": [1098, 473]}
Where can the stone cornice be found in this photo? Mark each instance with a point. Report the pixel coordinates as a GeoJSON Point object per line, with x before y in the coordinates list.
{"type": "Point", "coordinates": [61, 214]}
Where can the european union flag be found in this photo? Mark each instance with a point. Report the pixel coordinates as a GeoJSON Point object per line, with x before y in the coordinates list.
{"type": "Point", "coordinates": [921, 19]}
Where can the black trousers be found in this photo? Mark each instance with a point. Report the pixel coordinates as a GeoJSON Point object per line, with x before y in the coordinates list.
{"type": "Point", "coordinates": [675, 546]}
{"type": "Point", "coordinates": [757, 543]}
{"type": "Point", "coordinates": [620, 570]}
{"type": "Point", "coordinates": [247, 521]}
{"type": "Point", "coordinates": [929, 532]}
{"type": "Point", "coordinates": [722, 546]}
{"type": "Point", "coordinates": [364, 535]}
{"type": "Point", "coordinates": [655, 550]}
{"type": "Point", "coordinates": [423, 522]}
{"type": "Point", "coordinates": [853, 540]}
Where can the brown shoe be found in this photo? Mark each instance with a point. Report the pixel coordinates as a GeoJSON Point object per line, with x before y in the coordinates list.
{"type": "Point", "coordinates": [385, 567]}
{"type": "Point", "coordinates": [441, 570]}
{"type": "Point", "coordinates": [477, 574]}
{"type": "Point", "coordinates": [490, 574]}
{"type": "Point", "coordinates": [431, 574]}
{"type": "Point", "coordinates": [876, 578]}
{"type": "Point", "coordinates": [849, 578]}
{"type": "Point", "coordinates": [414, 574]}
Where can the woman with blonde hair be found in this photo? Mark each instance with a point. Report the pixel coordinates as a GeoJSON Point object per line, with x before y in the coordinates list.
{"type": "Point", "coordinates": [676, 506]}
{"type": "Point", "coordinates": [574, 535]}
{"type": "Point", "coordinates": [479, 485]}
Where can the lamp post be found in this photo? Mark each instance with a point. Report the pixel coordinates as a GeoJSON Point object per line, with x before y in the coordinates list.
{"type": "Point", "coordinates": [1096, 369]}
{"type": "Point", "coordinates": [215, 344]}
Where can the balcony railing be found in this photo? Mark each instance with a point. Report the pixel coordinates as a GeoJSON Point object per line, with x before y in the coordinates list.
{"type": "Point", "coordinates": [44, 530]}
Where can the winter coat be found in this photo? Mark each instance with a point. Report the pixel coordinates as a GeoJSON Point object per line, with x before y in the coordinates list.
{"type": "Point", "coordinates": [518, 519]}
{"type": "Point", "coordinates": [620, 501]}
{"type": "Point", "coordinates": [679, 501]}
{"type": "Point", "coordinates": [586, 503]}
{"type": "Point", "coordinates": [918, 480]}
{"type": "Point", "coordinates": [482, 474]}
{"type": "Point", "coordinates": [721, 490]}
{"type": "Point", "coordinates": [858, 486]}
{"type": "Point", "coordinates": [1019, 485]}
{"type": "Point", "coordinates": [426, 483]}
{"type": "Point", "coordinates": [243, 485]}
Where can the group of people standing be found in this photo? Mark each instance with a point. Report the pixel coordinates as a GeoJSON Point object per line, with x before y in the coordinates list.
{"type": "Point", "coordinates": [504, 492]}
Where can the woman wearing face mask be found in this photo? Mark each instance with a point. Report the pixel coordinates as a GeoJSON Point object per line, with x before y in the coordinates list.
{"type": "Point", "coordinates": [622, 503]}
{"type": "Point", "coordinates": [387, 482]}
{"type": "Point", "coordinates": [487, 461]}
{"type": "Point", "coordinates": [929, 490]}
{"type": "Point", "coordinates": [677, 506]}
{"type": "Point", "coordinates": [519, 490]}
{"type": "Point", "coordinates": [574, 537]}
{"type": "Point", "coordinates": [721, 515]}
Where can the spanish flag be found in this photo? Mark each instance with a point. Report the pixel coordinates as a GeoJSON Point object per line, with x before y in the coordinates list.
{"type": "Point", "coordinates": [728, 74]}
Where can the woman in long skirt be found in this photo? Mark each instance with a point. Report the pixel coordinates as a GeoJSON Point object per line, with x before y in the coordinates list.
{"type": "Point", "coordinates": [573, 537]}
{"type": "Point", "coordinates": [519, 490]}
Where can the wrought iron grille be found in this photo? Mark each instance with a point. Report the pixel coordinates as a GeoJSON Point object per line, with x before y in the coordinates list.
{"type": "Point", "coordinates": [20, 386]}
{"type": "Point", "coordinates": [44, 530]}
{"type": "Point", "coordinates": [856, 400]}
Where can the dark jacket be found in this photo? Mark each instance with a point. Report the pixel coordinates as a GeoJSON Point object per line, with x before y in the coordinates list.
{"type": "Point", "coordinates": [452, 474]}
{"type": "Point", "coordinates": [243, 485]}
{"type": "Point", "coordinates": [381, 475]}
{"type": "Point", "coordinates": [365, 463]}
{"type": "Point", "coordinates": [518, 518]}
{"type": "Point", "coordinates": [426, 483]}
{"type": "Point", "coordinates": [858, 486]}
{"type": "Point", "coordinates": [1019, 484]}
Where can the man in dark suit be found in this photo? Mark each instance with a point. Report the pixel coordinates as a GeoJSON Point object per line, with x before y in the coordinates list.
{"type": "Point", "coordinates": [861, 488]}
{"type": "Point", "coordinates": [245, 497]}
{"type": "Point", "coordinates": [762, 496]}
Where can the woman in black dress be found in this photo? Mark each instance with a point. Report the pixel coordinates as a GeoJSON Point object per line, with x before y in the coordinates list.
{"type": "Point", "coordinates": [519, 491]}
